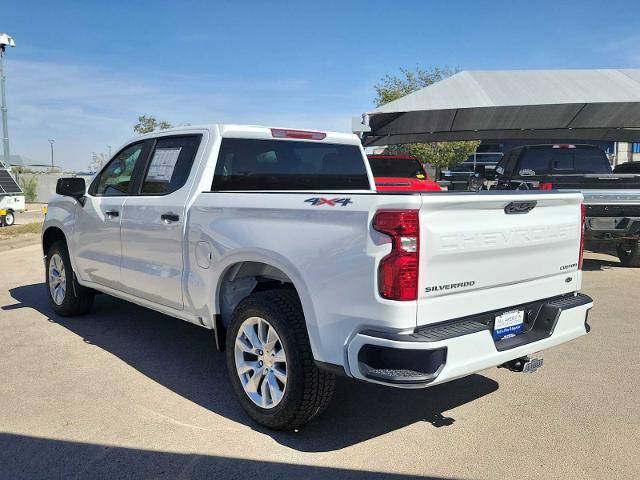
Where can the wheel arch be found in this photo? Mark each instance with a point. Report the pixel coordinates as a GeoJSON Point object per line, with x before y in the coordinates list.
{"type": "Point", "coordinates": [51, 235]}
{"type": "Point", "coordinates": [241, 278]}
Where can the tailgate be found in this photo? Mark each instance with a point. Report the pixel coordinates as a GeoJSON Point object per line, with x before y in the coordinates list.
{"type": "Point", "coordinates": [610, 181]}
{"type": "Point", "coordinates": [612, 197]}
{"type": "Point", "coordinates": [481, 252]}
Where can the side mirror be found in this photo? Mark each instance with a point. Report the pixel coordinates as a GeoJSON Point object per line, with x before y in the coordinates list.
{"type": "Point", "coordinates": [71, 187]}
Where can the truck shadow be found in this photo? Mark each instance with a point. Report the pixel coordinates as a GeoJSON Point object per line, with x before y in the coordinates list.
{"type": "Point", "coordinates": [182, 357]}
{"type": "Point", "coordinates": [33, 458]}
{"type": "Point", "coordinates": [598, 265]}
{"type": "Point", "coordinates": [599, 256]}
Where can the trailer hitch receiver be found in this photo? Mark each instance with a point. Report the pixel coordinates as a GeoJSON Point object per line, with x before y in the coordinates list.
{"type": "Point", "coordinates": [523, 364]}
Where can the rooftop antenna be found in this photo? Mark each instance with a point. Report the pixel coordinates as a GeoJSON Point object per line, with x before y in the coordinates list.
{"type": "Point", "coordinates": [5, 41]}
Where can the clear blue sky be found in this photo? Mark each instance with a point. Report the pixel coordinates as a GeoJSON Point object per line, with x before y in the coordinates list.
{"type": "Point", "coordinates": [83, 71]}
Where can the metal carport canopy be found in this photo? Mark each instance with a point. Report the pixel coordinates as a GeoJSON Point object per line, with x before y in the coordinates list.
{"type": "Point", "coordinates": [514, 104]}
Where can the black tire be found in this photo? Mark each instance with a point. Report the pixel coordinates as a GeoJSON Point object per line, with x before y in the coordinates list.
{"type": "Point", "coordinates": [77, 299]}
{"type": "Point", "coordinates": [629, 253]}
{"type": "Point", "coordinates": [9, 218]}
{"type": "Point", "coordinates": [308, 389]}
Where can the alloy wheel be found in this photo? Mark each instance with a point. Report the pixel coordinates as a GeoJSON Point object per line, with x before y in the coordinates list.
{"type": "Point", "coordinates": [261, 362]}
{"type": "Point", "coordinates": [57, 279]}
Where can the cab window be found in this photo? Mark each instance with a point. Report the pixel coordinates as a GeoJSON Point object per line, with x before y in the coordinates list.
{"type": "Point", "coordinates": [115, 179]}
{"type": "Point", "coordinates": [170, 164]}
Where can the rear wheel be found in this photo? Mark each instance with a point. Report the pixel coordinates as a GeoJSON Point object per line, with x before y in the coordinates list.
{"type": "Point", "coordinates": [66, 296]}
{"type": "Point", "coordinates": [9, 218]}
{"type": "Point", "coordinates": [629, 253]}
{"type": "Point", "coordinates": [270, 363]}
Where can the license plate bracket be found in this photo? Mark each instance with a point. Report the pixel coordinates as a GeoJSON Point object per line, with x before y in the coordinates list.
{"type": "Point", "coordinates": [508, 324]}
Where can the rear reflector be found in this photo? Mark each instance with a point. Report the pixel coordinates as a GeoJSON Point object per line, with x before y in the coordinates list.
{"type": "Point", "coordinates": [299, 134]}
{"type": "Point", "coordinates": [398, 271]}
{"type": "Point", "coordinates": [545, 186]}
{"type": "Point", "coordinates": [583, 211]}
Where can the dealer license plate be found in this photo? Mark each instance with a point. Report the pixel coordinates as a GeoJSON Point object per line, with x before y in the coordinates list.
{"type": "Point", "coordinates": [508, 324]}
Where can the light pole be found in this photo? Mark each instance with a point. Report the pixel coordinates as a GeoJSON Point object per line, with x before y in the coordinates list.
{"type": "Point", "coordinates": [5, 40]}
{"type": "Point", "coordinates": [51, 141]}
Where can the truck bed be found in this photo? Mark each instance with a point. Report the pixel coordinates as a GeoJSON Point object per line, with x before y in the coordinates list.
{"type": "Point", "coordinates": [466, 239]}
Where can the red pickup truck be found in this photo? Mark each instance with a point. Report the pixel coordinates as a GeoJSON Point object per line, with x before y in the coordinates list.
{"type": "Point", "coordinates": [400, 173]}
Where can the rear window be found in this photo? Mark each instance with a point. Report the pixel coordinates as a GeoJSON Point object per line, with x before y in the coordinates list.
{"type": "Point", "coordinates": [396, 167]}
{"type": "Point", "coordinates": [545, 160]}
{"type": "Point", "coordinates": [246, 164]}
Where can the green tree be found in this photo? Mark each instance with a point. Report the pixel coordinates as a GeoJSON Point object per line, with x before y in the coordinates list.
{"type": "Point", "coordinates": [148, 124]}
{"type": "Point", "coordinates": [438, 154]}
{"type": "Point", "coordinates": [29, 186]}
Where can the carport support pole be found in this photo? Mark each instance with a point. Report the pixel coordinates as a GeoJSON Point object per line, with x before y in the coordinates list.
{"type": "Point", "coordinates": [5, 126]}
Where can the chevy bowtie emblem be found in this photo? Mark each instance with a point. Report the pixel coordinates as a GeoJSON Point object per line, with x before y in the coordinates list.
{"type": "Point", "coordinates": [515, 208]}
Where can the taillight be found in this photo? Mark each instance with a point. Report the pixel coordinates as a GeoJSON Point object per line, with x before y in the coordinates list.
{"type": "Point", "coordinates": [583, 211]}
{"type": "Point", "coordinates": [300, 134]}
{"type": "Point", "coordinates": [398, 271]}
{"type": "Point", "coordinates": [545, 186]}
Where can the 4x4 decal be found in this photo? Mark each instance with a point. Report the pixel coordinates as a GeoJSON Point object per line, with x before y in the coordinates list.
{"type": "Point", "coordinates": [332, 202]}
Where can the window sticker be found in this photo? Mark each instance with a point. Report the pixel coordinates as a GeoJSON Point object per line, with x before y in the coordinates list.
{"type": "Point", "coordinates": [527, 171]}
{"type": "Point", "coordinates": [162, 165]}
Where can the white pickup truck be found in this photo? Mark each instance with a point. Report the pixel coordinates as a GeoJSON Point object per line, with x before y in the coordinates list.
{"type": "Point", "coordinates": [277, 241]}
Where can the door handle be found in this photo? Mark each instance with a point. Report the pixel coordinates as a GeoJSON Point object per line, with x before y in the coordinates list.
{"type": "Point", "coordinates": [112, 213]}
{"type": "Point", "coordinates": [169, 217]}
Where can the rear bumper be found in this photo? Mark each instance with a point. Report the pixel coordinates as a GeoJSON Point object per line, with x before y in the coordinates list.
{"type": "Point", "coordinates": [457, 348]}
{"type": "Point", "coordinates": [605, 228]}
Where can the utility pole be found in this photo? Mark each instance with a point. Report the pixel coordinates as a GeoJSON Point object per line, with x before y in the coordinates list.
{"type": "Point", "coordinates": [5, 40]}
{"type": "Point", "coordinates": [51, 141]}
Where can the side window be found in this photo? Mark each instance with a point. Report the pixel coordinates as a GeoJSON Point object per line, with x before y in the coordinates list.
{"type": "Point", "coordinates": [170, 164]}
{"type": "Point", "coordinates": [114, 180]}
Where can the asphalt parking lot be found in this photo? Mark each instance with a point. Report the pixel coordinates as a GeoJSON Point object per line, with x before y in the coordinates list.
{"type": "Point", "coordinates": [125, 392]}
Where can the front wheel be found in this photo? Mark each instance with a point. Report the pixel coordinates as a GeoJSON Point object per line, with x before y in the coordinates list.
{"type": "Point", "coordinates": [66, 296]}
{"type": "Point", "coordinates": [629, 253]}
{"type": "Point", "coordinates": [270, 363]}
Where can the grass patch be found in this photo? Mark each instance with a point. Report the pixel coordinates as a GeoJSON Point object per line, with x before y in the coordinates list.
{"type": "Point", "coordinates": [15, 230]}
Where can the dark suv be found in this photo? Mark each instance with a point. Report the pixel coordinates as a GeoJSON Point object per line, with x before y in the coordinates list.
{"type": "Point", "coordinates": [612, 200]}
